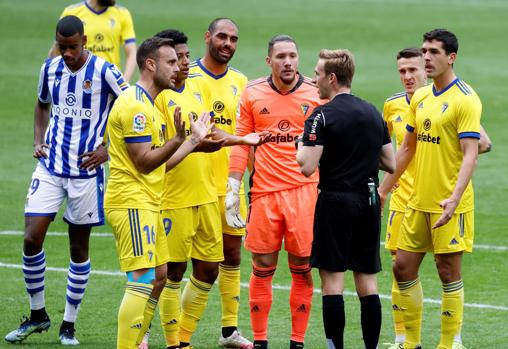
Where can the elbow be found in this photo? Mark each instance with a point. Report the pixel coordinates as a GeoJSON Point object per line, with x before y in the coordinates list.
{"type": "Point", "coordinates": [306, 171]}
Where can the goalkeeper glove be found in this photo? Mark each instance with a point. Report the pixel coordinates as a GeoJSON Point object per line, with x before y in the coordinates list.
{"type": "Point", "coordinates": [233, 217]}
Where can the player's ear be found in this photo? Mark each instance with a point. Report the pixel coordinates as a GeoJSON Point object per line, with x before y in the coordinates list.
{"type": "Point", "coordinates": [208, 35]}
{"type": "Point", "coordinates": [452, 57]}
{"type": "Point", "coordinates": [150, 64]}
{"type": "Point", "coordinates": [268, 60]}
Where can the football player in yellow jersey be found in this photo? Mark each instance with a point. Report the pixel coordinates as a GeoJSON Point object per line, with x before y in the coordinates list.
{"type": "Point", "coordinates": [443, 132]}
{"type": "Point", "coordinates": [107, 27]}
{"type": "Point", "coordinates": [225, 85]}
{"type": "Point", "coordinates": [138, 154]}
{"type": "Point", "coordinates": [190, 209]}
{"type": "Point", "coordinates": [411, 68]}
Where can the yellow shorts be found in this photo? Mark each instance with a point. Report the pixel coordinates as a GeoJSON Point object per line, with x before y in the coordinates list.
{"type": "Point", "coordinates": [194, 232]}
{"type": "Point", "coordinates": [140, 242]}
{"type": "Point", "coordinates": [393, 229]}
{"type": "Point", "coordinates": [417, 235]}
{"type": "Point", "coordinates": [226, 229]}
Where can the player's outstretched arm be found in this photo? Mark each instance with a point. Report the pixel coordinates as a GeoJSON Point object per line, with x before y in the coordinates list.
{"type": "Point", "coordinates": [41, 119]}
{"type": "Point", "coordinates": [200, 130]}
{"type": "Point", "coordinates": [253, 138]}
{"type": "Point", "coordinates": [485, 144]}
{"type": "Point", "coordinates": [469, 148]}
{"type": "Point", "coordinates": [402, 159]}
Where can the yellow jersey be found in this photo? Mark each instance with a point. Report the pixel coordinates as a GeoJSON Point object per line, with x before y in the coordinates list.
{"type": "Point", "coordinates": [191, 182]}
{"type": "Point", "coordinates": [440, 119]}
{"type": "Point", "coordinates": [395, 113]}
{"type": "Point", "coordinates": [224, 92]}
{"type": "Point", "coordinates": [133, 119]}
{"type": "Point", "coordinates": [106, 31]}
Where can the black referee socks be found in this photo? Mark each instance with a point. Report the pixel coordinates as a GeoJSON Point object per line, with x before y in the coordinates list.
{"type": "Point", "coordinates": [371, 320]}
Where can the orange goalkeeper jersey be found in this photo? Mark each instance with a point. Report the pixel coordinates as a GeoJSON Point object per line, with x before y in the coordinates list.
{"type": "Point", "coordinates": [264, 107]}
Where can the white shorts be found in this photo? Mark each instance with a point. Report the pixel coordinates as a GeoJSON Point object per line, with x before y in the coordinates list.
{"type": "Point", "coordinates": [85, 197]}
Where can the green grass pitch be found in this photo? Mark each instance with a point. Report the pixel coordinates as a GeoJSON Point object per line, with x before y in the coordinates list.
{"type": "Point", "coordinates": [374, 31]}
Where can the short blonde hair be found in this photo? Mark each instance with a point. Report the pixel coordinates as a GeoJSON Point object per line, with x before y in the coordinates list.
{"type": "Point", "coordinates": [341, 63]}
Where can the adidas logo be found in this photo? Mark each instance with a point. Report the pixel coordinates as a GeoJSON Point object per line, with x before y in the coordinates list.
{"type": "Point", "coordinates": [398, 119]}
{"type": "Point", "coordinates": [454, 242]}
{"type": "Point", "coordinates": [171, 103]}
{"type": "Point", "coordinates": [138, 326]}
{"type": "Point", "coordinates": [255, 309]}
{"type": "Point", "coordinates": [172, 322]}
{"type": "Point", "coordinates": [301, 309]}
{"type": "Point", "coordinates": [236, 299]}
{"type": "Point", "coordinates": [420, 106]}
{"type": "Point", "coordinates": [264, 111]}
{"type": "Point", "coordinates": [396, 307]}
{"type": "Point", "coordinates": [447, 314]}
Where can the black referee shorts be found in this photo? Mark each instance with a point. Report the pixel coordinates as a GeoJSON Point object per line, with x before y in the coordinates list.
{"type": "Point", "coordinates": [346, 233]}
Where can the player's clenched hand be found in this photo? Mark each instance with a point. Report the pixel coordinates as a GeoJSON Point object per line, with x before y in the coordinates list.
{"type": "Point", "coordinates": [208, 145]}
{"type": "Point", "coordinates": [201, 127]}
{"type": "Point", "coordinates": [449, 205]}
{"type": "Point", "coordinates": [232, 202]}
{"type": "Point", "coordinates": [94, 159]}
{"type": "Point", "coordinates": [39, 151]}
{"type": "Point", "coordinates": [257, 138]}
{"type": "Point", "coordinates": [179, 126]}
{"type": "Point", "coordinates": [382, 199]}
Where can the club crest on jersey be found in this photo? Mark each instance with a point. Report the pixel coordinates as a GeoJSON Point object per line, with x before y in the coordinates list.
{"type": "Point", "coordinates": [198, 97]}
{"type": "Point", "coordinates": [57, 82]}
{"type": "Point", "coordinates": [87, 86]}
{"type": "Point", "coordinates": [444, 107]}
{"type": "Point", "coordinates": [305, 108]}
{"type": "Point", "coordinates": [112, 22]}
{"type": "Point", "coordinates": [234, 90]}
{"type": "Point", "coordinates": [70, 99]}
{"type": "Point", "coordinates": [139, 123]}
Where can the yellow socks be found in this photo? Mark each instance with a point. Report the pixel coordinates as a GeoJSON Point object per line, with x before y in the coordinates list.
{"type": "Point", "coordinates": [411, 300]}
{"type": "Point", "coordinates": [229, 287]}
{"type": "Point", "coordinates": [398, 316]}
{"type": "Point", "coordinates": [148, 316]}
{"type": "Point", "coordinates": [194, 300]}
{"type": "Point", "coordinates": [451, 312]}
{"type": "Point", "coordinates": [132, 313]}
{"type": "Point", "coordinates": [169, 312]}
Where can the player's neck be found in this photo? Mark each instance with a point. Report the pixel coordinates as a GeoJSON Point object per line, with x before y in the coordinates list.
{"type": "Point", "coordinates": [179, 84]}
{"type": "Point", "coordinates": [149, 86]}
{"type": "Point", "coordinates": [443, 80]}
{"type": "Point", "coordinates": [96, 7]}
{"type": "Point", "coordinates": [213, 66]}
{"type": "Point", "coordinates": [282, 86]}
{"type": "Point", "coordinates": [81, 62]}
{"type": "Point", "coordinates": [340, 90]}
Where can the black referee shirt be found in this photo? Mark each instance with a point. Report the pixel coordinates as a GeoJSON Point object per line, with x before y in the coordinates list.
{"type": "Point", "coordinates": [352, 133]}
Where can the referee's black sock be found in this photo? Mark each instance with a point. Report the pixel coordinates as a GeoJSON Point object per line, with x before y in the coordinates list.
{"type": "Point", "coordinates": [334, 320]}
{"type": "Point", "coordinates": [371, 320]}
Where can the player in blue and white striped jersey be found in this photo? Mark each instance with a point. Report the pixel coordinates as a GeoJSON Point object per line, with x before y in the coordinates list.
{"type": "Point", "coordinates": [76, 92]}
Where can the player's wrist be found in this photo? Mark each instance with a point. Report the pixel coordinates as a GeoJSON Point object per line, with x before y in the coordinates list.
{"type": "Point", "coordinates": [234, 185]}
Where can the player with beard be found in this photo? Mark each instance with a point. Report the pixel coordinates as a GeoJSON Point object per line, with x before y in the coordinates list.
{"type": "Point", "coordinates": [107, 27]}
{"type": "Point", "coordinates": [138, 153]}
{"type": "Point", "coordinates": [282, 199]}
{"type": "Point", "coordinates": [225, 85]}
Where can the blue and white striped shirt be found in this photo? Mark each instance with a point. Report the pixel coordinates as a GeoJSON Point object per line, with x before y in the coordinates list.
{"type": "Point", "coordinates": [81, 102]}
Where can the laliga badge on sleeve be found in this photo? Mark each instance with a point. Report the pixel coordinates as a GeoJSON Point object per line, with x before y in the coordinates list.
{"type": "Point", "coordinates": [139, 123]}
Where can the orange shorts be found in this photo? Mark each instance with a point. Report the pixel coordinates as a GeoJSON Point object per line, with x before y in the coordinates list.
{"type": "Point", "coordinates": [283, 215]}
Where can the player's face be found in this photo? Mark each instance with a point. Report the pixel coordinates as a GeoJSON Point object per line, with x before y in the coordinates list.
{"type": "Point", "coordinates": [71, 48]}
{"type": "Point", "coordinates": [222, 42]}
{"type": "Point", "coordinates": [284, 61]}
{"type": "Point", "coordinates": [166, 68]}
{"type": "Point", "coordinates": [106, 2]}
{"type": "Point", "coordinates": [322, 80]}
{"type": "Point", "coordinates": [183, 55]}
{"type": "Point", "coordinates": [436, 60]}
{"type": "Point", "coordinates": [412, 73]}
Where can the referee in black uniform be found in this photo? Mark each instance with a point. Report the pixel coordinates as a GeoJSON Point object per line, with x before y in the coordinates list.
{"type": "Point", "coordinates": [349, 140]}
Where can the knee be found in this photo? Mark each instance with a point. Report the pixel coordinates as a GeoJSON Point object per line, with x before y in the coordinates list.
{"type": "Point", "coordinates": [32, 243]}
{"type": "Point", "coordinates": [232, 253]}
{"type": "Point", "coordinates": [79, 253]}
{"type": "Point", "coordinates": [206, 272]}
{"type": "Point", "coordinates": [176, 271]}
{"type": "Point", "coordinates": [401, 271]}
{"type": "Point", "coordinates": [447, 273]}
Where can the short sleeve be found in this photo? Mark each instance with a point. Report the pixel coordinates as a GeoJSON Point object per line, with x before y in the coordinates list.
{"type": "Point", "coordinates": [386, 134]}
{"type": "Point", "coordinates": [115, 80]}
{"type": "Point", "coordinates": [411, 115]}
{"type": "Point", "coordinates": [245, 118]}
{"type": "Point", "coordinates": [128, 35]}
{"type": "Point", "coordinates": [468, 116]}
{"type": "Point", "coordinates": [386, 116]}
{"type": "Point", "coordinates": [43, 92]}
{"type": "Point", "coordinates": [136, 125]}
{"type": "Point", "coordinates": [313, 133]}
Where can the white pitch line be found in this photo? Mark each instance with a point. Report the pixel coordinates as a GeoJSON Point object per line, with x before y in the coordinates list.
{"type": "Point", "coordinates": [107, 235]}
{"type": "Point", "coordinates": [276, 287]}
